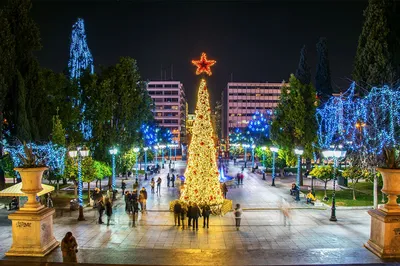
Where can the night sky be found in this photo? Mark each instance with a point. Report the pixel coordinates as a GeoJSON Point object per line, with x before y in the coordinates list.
{"type": "Point", "coordinates": [256, 41]}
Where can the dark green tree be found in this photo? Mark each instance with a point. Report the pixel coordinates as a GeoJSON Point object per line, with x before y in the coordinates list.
{"type": "Point", "coordinates": [58, 134]}
{"type": "Point", "coordinates": [294, 124]}
{"type": "Point", "coordinates": [23, 129]}
{"type": "Point", "coordinates": [323, 83]}
{"type": "Point", "coordinates": [303, 72]}
{"type": "Point", "coordinates": [378, 46]}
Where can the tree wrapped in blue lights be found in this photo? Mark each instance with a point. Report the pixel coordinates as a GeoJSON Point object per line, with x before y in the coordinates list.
{"type": "Point", "coordinates": [258, 129]}
{"type": "Point", "coordinates": [164, 135]}
{"type": "Point", "coordinates": [80, 60]}
{"type": "Point", "coordinates": [149, 135]}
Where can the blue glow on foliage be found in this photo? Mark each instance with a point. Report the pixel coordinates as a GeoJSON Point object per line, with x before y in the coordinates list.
{"type": "Point", "coordinates": [371, 122]}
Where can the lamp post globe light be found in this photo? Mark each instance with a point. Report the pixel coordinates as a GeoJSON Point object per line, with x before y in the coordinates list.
{"type": "Point", "coordinates": [113, 152]}
{"type": "Point", "coordinates": [162, 147]}
{"type": "Point", "coordinates": [79, 154]}
{"type": "Point", "coordinates": [136, 150]}
{"type": "Point", "coordinates": [252, 155]}
{"type": "Point", "coordinates": [263, 148]}
{"type": "Point", "coordinates": [299, 153]}
{"type": "Point", "coordinates": [274, 151]}
{"type": "Point", "coordinates": [245, 146]}
{"type": "Point", "coordinates": [145, 162]}
{"type": "Point", "coordinates": [156, 153]}
{"type": "Point", "coordinates": [335, 154]}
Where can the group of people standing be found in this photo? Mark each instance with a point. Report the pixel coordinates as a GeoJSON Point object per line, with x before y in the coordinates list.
{"type": "Point", "coordinates": [193, 212]}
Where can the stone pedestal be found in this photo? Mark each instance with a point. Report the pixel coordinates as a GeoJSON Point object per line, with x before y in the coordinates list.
{"type": "Point", "coordinates": [32, 233]}
{"type": "Point", "coordinates": [385, 233]}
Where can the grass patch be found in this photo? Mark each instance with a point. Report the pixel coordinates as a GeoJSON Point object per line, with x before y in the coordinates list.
{"type": "Point", "coordinates": [345, 197]}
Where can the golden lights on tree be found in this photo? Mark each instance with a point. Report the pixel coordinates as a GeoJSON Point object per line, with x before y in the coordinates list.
{"type": "Point", "coordinates": [202, 177]}
{"type": "Point", "coordinates": [203, 65]}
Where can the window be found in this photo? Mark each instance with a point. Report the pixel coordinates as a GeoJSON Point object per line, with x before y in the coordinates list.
{"type": "Point", "coordinates": [174, 86]}
{"type": "Point", "coordinates": [174, 107]}
{"type": "Point", "coordinates": [167, 86]}
{"type": "Point", "coordinates": [151, 92]}
{"type": "Point", "coordinates": [167, 92]}
{"type": "Point", "coordinates": [158, 100]}
{"type": "Point", "coordinates": [159, 114]}
{"type": "Point", "coordinates": [159, 85]}
{"type": "Point", "coordinates": [151, 86]}
{"type": "Point", "coordinates": [158, 93]}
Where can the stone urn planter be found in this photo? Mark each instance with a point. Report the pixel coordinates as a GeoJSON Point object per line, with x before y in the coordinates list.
{"type": "Point", "coordinates": [391, 187]}
{"type": "Point", "coordinates": [31, 185]}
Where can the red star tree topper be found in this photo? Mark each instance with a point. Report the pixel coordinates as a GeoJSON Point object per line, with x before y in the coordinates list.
{"type": "Point", "coordinates": [203, 65]}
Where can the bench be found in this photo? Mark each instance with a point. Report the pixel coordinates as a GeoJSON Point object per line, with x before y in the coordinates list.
{"type": "Point", "coordinates": [62, 210]}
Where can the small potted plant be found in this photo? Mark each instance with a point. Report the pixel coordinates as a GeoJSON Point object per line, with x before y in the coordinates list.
{"type": "Point", "coordinates": [31, 170]}
{"type": "Point", "coordinates": [391, 176]}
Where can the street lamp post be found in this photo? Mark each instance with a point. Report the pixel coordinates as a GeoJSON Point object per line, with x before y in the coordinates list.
{"type": "Point", "coordinates": [252, 155]}
{"type": "Point", "coordinates": [79, 153]}
{"type": "Point", "coordinates": [335, 154]}
{"type": "Point", "coordinates": [298, 152]}
{"type": "Point", "coordinates": [162, 147]}
{"type": "Point", "coordinates": [175, 146]}
{"type": "Point", "coordinates": [263, 148]}
{"type": "Point", "coordinates": [274, 151]}
{"type": "Point", "coordinates": [145, 162]}
{"type": "Point", "coordinates": [113, 152]}
{"type": "Point", "coordinates": [156, 148]}
{"type": "Point", "coordinates": [136, 150]}
{"type": "Point", "coordinates": [245, 146]}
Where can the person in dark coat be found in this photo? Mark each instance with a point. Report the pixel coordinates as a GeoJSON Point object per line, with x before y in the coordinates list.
{"type": "Point", "coordinates": [69, 248]}
{"type": "Point", "coordinates": [189, 213]}
{"type": "Point", "coordinates": [195, 214]}
{"type": "Point", "coordinates": [224, 189]}
{"type": "Point", "coordinates": [177, 213]}
{"type": "Point", "coordinates": [168, 179]}
{"type": "Point", "coordinates": [100, 209]}
{"type": "Point", "coordinates": [173, 180]}
{"type": "Point", "coordinates": [127, 202]}
{"type": "Point", "coordinates": [123, 187]}
{"type": "Point", "coordinates": [206, 215]}
{"type": "Point", "coordinates": [183, 212]}
{"type": "Point", "coordinates": [108, 210]}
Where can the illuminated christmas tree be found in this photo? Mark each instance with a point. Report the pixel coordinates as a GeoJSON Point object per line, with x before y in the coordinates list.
{"type": "Point", "coordinates": [202, 177]}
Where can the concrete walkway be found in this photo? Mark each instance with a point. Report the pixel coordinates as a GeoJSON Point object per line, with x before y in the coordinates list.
{"type": "Point", "coordinates": [263, 238]}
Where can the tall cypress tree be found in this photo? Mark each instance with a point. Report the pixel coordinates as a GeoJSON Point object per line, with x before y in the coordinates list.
{"type": "Point", "coordinates": [323, 83]}
{"type": "Point", "coordinates": [303, 73]}
{"type": "Point", "coordinates": [23, 130]}
{"type": "Point", "coordinates": [373, 64]}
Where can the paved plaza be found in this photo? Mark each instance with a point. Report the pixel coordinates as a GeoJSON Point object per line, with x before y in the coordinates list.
{"type": "Point", "coordinates": [263, 239]}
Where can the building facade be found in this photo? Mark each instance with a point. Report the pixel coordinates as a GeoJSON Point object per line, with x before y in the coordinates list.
{"type": "Point", "coordinates": [169, 107]}
{"type": "Point", "coordinates": [243, 99]}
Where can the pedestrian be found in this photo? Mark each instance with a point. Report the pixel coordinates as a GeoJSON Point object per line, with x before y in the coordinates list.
{"type": "Point", "coordinates": [144, 191]}
{"type": "Point", "coordinates": [183, 212]}
{"type": "Point", "coordinates": [128, 204]}
{"type": "Point", "coordinates": [177, 213]}
{"type": "Point", "coordinates": [123, 187]}
{"type": "Point", "coordinates": [224, 189]}
{"type": "Point", "coordinates": [206, 215]}
{"type": "Point", "coordinates": [195, 214]}
{"type": "Point", "coordinates": [152, 184]}
{"type": "Point", "coordinates": [285, 208]}
{"type": "Point", "coordinates": [189, 214]}
{"type": "Point", "coordinates": [136, 184]}
{"type": "Point", "coordinates": [238, 215]}
{"type": "Point", "coordinates": [108, 210]}
{"type": "Point", "coordinates": [159, 185]}
{"type": "Point", "coordinates": [69, 248]}
{"type": "Point", "coordinates": [238, 178]}
{"type": "Point", "coordinates": [173, 180]}
{"type": "Point", "coordinates": [49, 201]}
{"type": "Point", "coordinates": [109, 193]}
{"type": "Point", "coordinates": [241, 178]}
{"type": "Point", "coordinates": [168, 180]}
{"type": "Point", "coordinates": [100, 209]}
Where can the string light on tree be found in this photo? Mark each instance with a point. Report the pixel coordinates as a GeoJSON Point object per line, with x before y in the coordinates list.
{"type": "Point", "coordinates": [203, 65]}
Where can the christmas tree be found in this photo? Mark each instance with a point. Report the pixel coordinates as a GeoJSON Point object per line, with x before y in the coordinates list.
{"type": "Point", "coordinates": [202, 177]}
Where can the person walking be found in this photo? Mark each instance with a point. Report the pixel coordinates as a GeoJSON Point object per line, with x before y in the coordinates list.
{"type": "Point", "coordinates": [177, 213]}
{"type": "Point", "coordinates": [108, 210]}
{"type": "Point", "coordinates": [173, 180]}
{"type": "Point", "coordinates": [152, 184]}
{"type": "Point", "coordinates": [168, 179]}
{"type": "Point", "coordinates": [49, 201]}
{"type": "Point", "coordinates": [241, 178]}
{"type": "Point", "coordinates": [144, 199]}
{"type": "Point", "coordinates": [128, 202]}
{"type": "Point", "coordinates": [123, 187]}
{"type": "Point", "coordinates": [195, 214]}
{"type": "Point", "coordinates": [159, 185]}
{"type": "Point", "coordinates": [224, 189]}
{"type": "Point", "coordinates": [238, 215]}
{"type": "Point", "coordinates": [189, 214]}
{"type": "Point", "coordinates": [141, 198]}
{"type": "Point", "coordinates": [100, 209]}
{"type": "Point", "coordinates": [136, 184]}
{"type": "Point", "coordinates": [206, 215]}
{"type": "Point", "coordinates": [135, 212]}
{"type": "Point", "coordinates": [69, 248]}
